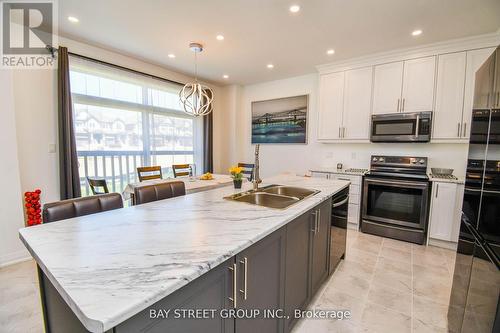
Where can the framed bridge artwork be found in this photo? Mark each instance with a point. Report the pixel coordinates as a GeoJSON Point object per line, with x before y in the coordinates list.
{"type": "Point", "coordinates": [281, 120]}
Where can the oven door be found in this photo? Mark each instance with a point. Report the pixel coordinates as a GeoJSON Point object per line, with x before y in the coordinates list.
{"type": "Point", "coordinates": [397, 202]}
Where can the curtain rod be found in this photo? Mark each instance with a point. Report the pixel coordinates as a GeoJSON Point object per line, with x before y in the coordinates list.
{"type": "Point", "coordinates": [53, 50]}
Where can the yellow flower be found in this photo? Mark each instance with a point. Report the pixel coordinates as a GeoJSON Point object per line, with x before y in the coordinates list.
{"type": "Point", "coordinates": [235, 170]}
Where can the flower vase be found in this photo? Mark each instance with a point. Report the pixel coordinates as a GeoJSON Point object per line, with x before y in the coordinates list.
{"type": "Point", "coordinates": [237, 183]}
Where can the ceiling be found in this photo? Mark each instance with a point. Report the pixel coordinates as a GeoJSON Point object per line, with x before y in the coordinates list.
{"type": "Point", "coordinates": [259, 32]}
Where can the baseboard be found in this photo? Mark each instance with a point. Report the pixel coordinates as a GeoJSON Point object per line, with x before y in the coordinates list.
{"type": "Point", "coordinates": [14, 258]}
{"type": "Point", "coordinates": [441, 243]}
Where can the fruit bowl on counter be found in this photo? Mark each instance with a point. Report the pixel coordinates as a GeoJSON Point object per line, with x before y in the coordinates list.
{"type": "Point", "coordinates": [207, 176]}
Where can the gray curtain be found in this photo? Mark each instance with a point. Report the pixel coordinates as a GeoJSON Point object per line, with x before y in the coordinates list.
{"type": "Point", "coordinates": [208, 142]}
{"type": "Point", "coordinates": [68, 160]}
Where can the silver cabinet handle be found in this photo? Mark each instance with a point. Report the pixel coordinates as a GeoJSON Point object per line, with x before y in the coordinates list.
{"type": "Point", "coordinates": [437, 189]}
{"type": "Point", "coordinates": [397, 109]}
{"type": "Point", "coordinates": [403, 105]}
{"type": "Point", "coordinates": [339, 132]}
{"type": "Point", "coordinates": [315, 214]}
{"type": "Point", "coordinates": [458, 129]}
{"type": "Point", "coordinates": [244, 262]}
{"type": "Point", "coordinates": [319, 220]}
{"type": "Point", "coordinates": [233, 299]}
{"type": "Point", "coordinates": [465, 130]}
{"type": "Point", "coordinates": [343, 134]}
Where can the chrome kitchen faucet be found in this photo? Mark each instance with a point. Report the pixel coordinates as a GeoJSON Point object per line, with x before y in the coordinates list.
{"type": "Point", "coordinates": [256, 178]}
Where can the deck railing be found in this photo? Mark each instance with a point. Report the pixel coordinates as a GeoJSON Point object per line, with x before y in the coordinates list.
{"type": "Point", "coordinates": [118, 168]}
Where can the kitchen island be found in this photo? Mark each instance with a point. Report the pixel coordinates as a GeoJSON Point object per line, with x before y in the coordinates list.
{"type": "Point", "coordinates": [103, 272]}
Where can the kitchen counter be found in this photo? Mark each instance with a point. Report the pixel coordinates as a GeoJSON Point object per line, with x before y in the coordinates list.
{"type": "Point", "coordinates": [112, 265]}
{"type": "Point", "coordinates": [337, 171]}
{"type": "Point", "coordinates": [446, 180]}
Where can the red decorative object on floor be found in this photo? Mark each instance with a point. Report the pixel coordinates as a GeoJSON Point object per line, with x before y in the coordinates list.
{"type": "Point", "coordinates": [33, 207]}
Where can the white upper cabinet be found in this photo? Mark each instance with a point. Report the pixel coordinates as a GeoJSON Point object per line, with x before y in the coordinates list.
{"type": "Point", "coordinates": [357, 104]}
{"type": "Point", "coordinates": [447, 118]}
{"type": "Point", "coordinates": [331, 102]}
{"type": "Point", "coordinates": [387, 85]}
{"type": "Point", "coordinates": [418, 84]}
{"type": "Point", "coordinates": [404, 86]}
{"type": "Point", "coordinates": [442, 82]}
{"type": "Point", "coordinates": [475, 59]}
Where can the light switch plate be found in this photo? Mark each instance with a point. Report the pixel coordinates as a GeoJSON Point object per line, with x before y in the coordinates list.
{"type": "Point", "coordinates": [52, 147]}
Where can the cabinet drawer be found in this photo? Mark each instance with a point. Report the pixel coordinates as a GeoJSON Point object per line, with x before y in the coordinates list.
{"type": "Point", "coordinates": [354, 199]}
{"type": "Point", "coordinates": [354, 189]}
{"type": "Point", "coordinates": [356, 180]}
{"type": "Point", "coordinates": [353, 215]}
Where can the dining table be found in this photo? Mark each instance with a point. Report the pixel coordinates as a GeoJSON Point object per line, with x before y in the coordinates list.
{"type": "Point", "coordinates": [193, 184]}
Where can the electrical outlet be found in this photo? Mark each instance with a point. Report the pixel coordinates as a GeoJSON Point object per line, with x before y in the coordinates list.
{"type": "Point", "coordinates": [329, 155]}
{"type": "Point", "coordinates": [353, 156]}
{"type": "Point", "coordinates": [52, 147]}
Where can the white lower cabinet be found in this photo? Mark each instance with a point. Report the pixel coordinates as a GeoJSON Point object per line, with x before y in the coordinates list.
{"type": "Point", "coordinates": [354, 194]}
{"type": "Point", "coordinates": [446, 208]}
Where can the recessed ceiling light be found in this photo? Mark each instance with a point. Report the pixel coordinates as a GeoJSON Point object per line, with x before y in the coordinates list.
{"type": "Point", "coordinates": [220, 37]}
{"type": "Point", "coordinates": [171, 55]}
{"type": "Point", "coordinates": [330, 52]}
{"type": "Point", "coordinates": [73, 19]}
{"type": "Point", "coordinates": [270, 66]}
{"type": "Point", "coordinates": [225, 76]}
{"type": "Point", "coordinates": [294, 8]}
{"type": "Point", "coordinates": [416, 32]}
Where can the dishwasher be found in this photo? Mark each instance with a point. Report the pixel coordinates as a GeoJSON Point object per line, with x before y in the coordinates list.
{"type": "Point", "coordinates": [338, 228]}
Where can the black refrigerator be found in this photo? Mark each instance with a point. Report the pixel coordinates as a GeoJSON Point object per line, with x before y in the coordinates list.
{"type": "Point", "coordinates": [474, 303]}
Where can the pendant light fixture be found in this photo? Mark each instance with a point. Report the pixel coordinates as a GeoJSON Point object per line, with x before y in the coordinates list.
{"type": "Point", "coordinates": [196, 98]}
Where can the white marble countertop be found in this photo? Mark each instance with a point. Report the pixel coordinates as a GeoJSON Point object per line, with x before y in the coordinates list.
{"type": "Point", "coordinates": [112, 265]}
{"type": "Point", "coordinates": [337, 171]}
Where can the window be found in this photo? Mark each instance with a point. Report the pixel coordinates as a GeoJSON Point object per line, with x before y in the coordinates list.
{"type": "Point", "coordinates": [124, 120]}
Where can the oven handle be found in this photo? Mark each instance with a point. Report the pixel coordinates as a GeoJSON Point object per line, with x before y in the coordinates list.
{"type": "Point", "coordinates": [343, 202]}
{"type": "Point", "coordinates": [417, 127]}
{"type": "Point", "coordinates": [399, 183]}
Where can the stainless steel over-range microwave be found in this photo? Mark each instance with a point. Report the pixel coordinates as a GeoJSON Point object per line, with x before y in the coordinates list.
{"type": "Point", "coordinates": [401, 127]}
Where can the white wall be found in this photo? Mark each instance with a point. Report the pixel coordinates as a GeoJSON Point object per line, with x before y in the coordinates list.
{"type": "Point", "coordinates": [277, 158]}
{"type": "Point", "coordinates": [11, 211]}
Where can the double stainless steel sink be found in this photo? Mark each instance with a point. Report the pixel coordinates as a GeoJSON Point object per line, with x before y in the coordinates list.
{"type": "Point", "coordinates": [274, 196]}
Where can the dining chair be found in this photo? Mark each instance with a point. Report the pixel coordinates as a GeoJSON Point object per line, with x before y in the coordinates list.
{"type": "Point", "coordinates": [98, 185]}
{"type": "Point", "coordinates": [149, 172]}
{"type": "Point", "coordinates": [182, 170]}
{"type": "Point", "coordinates": [66, 209]}
{"type": "Point", "coordinates": [247, 170]}
{"type": "Point", "coordinates": [155, 192]}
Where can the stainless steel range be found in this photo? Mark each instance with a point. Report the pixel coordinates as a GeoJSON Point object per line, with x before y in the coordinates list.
{"type": "Point", "coordinates": [395, 200]}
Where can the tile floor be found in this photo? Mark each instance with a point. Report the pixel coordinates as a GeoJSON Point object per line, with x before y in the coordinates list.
{"type": "Point", "coordinates": [389, 286]}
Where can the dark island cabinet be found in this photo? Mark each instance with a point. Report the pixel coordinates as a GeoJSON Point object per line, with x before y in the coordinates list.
{"type": "Point", "coordinates": [320, 245]}
{"type": "Point", "coordinates": [297, 278]}
{"type": "Point", "coordinates": [307, 259]}
{"type": "Point", "coordinates": [275, 276]}
{"type": "Point", "coordinates": [261, 284]}
{"type": "Point", "coordinates": [210, 291]}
